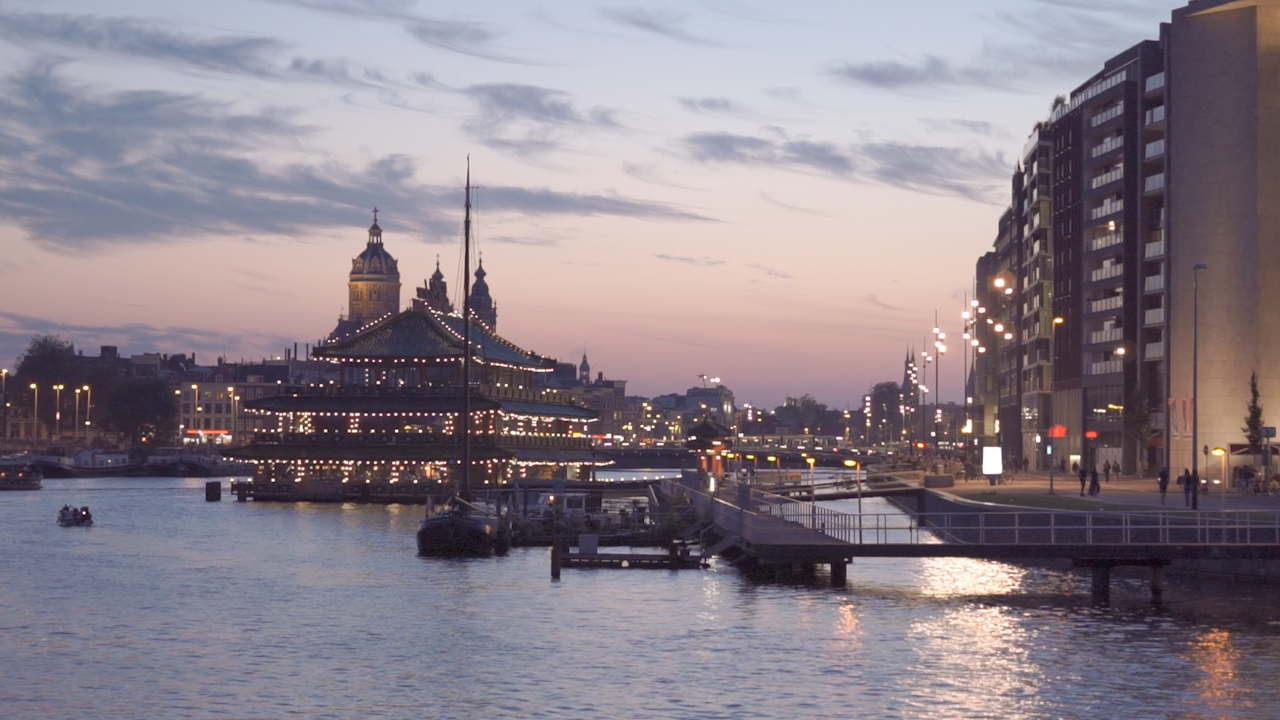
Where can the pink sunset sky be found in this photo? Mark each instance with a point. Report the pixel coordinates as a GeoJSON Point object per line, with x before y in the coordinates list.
{"type": "Point", "coordinates": [778, 194]}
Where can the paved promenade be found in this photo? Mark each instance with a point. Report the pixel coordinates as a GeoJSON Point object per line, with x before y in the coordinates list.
{"type": "Point", "coordinates": [1033, 487]}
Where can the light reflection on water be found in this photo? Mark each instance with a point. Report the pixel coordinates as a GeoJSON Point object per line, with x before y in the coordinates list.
{"type": "Point", "coordinates": [173, 607]}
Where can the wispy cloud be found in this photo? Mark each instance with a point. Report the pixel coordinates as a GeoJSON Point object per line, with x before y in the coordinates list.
{"type": "Point", "coordinates": [528, 119]}
{"type": "Point", "coordinates": [877, 302]}
{"type": "Point", "coordinates": [663, 23]}
{"type": "Point", "coordinates": [771, 272]}
{"type": "Point", "coordinates": [82, 168]}
{"type": "Point", "coordinates": [698, 261]}
{"type": "Point", "coordinates": [130, 37]}
{"type": "Point", "coordinates": [709, 105]}
{"type": "Point", "coordinates": [970, 173]}
{"type": "Point", "coordinates": [954, 125]}
{"type": "Point", "coordinates": [1051, 39]}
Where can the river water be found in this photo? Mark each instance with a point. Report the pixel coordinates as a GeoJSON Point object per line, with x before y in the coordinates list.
{"type": "Point", "coordinates": [173, 607]}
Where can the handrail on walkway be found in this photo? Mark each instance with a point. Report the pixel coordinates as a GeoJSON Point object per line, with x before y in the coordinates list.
{"type": "Point", "coordinates": [765, 518]}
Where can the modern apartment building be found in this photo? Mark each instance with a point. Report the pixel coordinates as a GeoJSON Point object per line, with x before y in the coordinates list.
{"type": "Point", "coordinates": [1163, 160]}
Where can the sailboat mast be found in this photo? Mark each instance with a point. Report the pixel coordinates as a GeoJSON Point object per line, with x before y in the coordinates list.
{"type": "Point", "coordinates": [466, 343]}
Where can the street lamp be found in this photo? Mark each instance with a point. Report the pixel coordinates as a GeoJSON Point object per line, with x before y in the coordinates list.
{"type": "Point", "coordinates": [4, 405]}
{"type": "Point", "coordinates": [1221, 453]}
{"type": "Point", "coordinates": [75, 429]}
{"type": "Point", "coordinates": [1195, 375]}
{"type": "Point", "coordinates": [88, 408]}
{"type": "Point", "coordinates": [35, 413]}
{"type": "Point", "coordinates": [1053, 365]}
{"type": "Point", "coordinates": [57, 409]}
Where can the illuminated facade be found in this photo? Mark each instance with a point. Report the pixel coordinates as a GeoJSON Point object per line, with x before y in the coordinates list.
{"type": "Point", "coordinates": [390, 428]}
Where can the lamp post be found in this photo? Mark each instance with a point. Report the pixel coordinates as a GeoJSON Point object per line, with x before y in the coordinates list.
{"type": "Point", "coordinates": [35, 412]}
{"type": "Point", "coordinates": [88, 409]}
{"type": "Point", "coordinates": [4, 406]}
{"type": "Point", "coordinates": [1195, 375]}
{"type": "Point", "coordinates": [57, 410]}
{"type": "Point", "coordinates": [940, 345]}
{"type": "Point", "coordinates": [1222, 454]}
{"type": "Point", "coordinates": [1053, 364]}
{"type": "Point", "coordinates": [75, 429]}
{"type": "Point", "coordinates": [195, 410]}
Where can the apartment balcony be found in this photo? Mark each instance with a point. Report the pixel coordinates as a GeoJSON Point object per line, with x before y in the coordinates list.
{"type": "Point", "coordinates": [1107, 208]}
{"type": "Point", "coordinates": [1153, 150]}
{"type": "Point", "coordinates": [1105, 368]}
{"type": "Point", "coordinates": [1154, 116]}
{"type": "Point", "coordinates": [1105, 336]}
{"type": "Point", "coordinates": [1154, 83]}
{"type": "Point", "coordinates": [1111, 113]}
{"type": "Point", "coordinates": [1108, 271]}
{"type": "Point", "coordinates": [1154, 316]}
{"type": "Point", "coordinates": [1154, 249]}
{"type": "Point", "coordinates": [1153, 183]}
{"type": "Point", "coordinates": [1153, 351]}
{"type": "Point", "coordinates": [1106, 241]}
{"type": "Point", "coordinates": [1112, 303]}
{"type": "Point", "coordinates": [1107, 177]}
{"type": "Point", "coordinates": [1112, 143]}
{"type": "Point", "coordinates": [1152, 283]}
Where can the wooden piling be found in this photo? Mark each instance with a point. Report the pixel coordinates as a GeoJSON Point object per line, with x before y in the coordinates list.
{"type": "Point", "coordinates": [213, 491]}
{"type": "Point", "coordinates": [556, 558]}
{"type": "Point", "coordinates": [1157, 583]}
{"type": "Point", "coordinates": [1101, 584]}
{"type": "Point", "coordinates": [839, 574]}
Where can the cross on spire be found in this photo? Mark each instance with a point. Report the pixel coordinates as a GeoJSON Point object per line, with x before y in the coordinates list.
{"type": "Point", "coordinates": [375, 214]}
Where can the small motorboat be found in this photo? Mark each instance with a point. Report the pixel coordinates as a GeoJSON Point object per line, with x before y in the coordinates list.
{"type": "Point", "coordinates": [75, 517]}
{"type": "Point", "coordinates": [18, 475]}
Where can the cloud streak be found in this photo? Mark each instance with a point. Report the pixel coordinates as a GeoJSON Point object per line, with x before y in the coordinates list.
{"type": "Point", "coordinates": [974, 174]}
{"type": "Point", "coordinates": [80, 168]}
{"type": "Point", "coordinates": [527, 119]}
{"type": "Point", "coordinates": [655, 22]}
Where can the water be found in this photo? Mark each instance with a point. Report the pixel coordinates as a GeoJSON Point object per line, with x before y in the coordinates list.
{"type": "Point", "coordinates": [171, 607]}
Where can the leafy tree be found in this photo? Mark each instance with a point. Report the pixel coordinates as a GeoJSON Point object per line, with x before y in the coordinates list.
{"type": "Point", "coordinates": [144, 410]}
{"type": "Point", "coordinates": [48, 361]}
{"type": "Point", "coordinates": [1253, 418]}
{"type": "Point", "coordinates": [886, 411]}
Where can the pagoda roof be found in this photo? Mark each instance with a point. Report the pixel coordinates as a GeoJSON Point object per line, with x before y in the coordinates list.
{"type": "Point", "coordinates": [412, 403]}
{"type": "Point", "coordinates": [428, 335]}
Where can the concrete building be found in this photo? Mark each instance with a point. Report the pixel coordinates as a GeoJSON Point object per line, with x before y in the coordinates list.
{"type": "Point", "coordinates": [1163, 161]}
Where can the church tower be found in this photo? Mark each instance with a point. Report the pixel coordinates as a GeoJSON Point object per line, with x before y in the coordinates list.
{"type": "Point", "coordinates": [435, 294]}
{"type": "Point", "coordinates": [374, 284]}
{"type": "Point", "coordinates": [481, 302]}
{"type": "Point", "coordinates": [584, 371]}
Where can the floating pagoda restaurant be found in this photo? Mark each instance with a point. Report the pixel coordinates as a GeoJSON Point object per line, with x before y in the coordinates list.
{"type": "Point", "coordinates": [390, 429]}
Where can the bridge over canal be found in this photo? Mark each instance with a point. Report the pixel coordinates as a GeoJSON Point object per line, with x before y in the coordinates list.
{"type": "Point", "coordinates": [781, 531]}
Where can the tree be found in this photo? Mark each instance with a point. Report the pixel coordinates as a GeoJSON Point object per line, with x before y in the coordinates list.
{"type": "Point", "coordinates": [48, 361]}
{"type": "Point", "coordinates": [1253, 419]}
{"type": "Point", "coordinates": [1137, 423]}
{"type": "Point", "coordinates": [886, 411]}
{"type": "Point", "coordinates": [142, 410]}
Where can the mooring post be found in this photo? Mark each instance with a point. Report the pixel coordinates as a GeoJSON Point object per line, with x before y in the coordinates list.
{"type": "Point", "coordinates": [555, 558]}
{"type": "Point", "coordinates": [1157, 583]}
{"type": "Point", "coordinates": [839, 574]}
{"type": "Point", "coordinates": [1102, 584]}
{"type": "Point", "coordinates": [213, 491]}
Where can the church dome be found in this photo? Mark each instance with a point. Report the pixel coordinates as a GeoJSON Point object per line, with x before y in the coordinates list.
{"type": "Point", "coordinates": [375, 260]}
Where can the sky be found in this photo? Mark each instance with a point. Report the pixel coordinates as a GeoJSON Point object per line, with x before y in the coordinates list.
{"type": "Point", "coordinates": [781, 195]}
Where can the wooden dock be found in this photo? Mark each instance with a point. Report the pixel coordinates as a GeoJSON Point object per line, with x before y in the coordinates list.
{"type": "Point", "coordinates": [650, 561]}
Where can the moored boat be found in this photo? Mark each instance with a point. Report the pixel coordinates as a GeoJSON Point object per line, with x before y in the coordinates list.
{"type": "Point", "coordinates": [460, 529]}
{"type": "Point", "coordinates": [18, 474]}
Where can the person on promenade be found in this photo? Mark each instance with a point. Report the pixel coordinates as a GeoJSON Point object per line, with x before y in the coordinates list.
{"type": "Point", "coordinates": [1185, 481]}
{"type": "Point", "coordinates": [1094, 487]}
{"type": "Point", "coordinates": [1163, 480]}
{"type": "Point", "coordinates": [1106, 470]}
{"type": "Point", "coordinates": [1083, 478]}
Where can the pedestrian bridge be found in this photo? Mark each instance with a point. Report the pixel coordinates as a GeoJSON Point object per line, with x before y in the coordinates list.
{"type": "Point", "coordinates": [781, 531]}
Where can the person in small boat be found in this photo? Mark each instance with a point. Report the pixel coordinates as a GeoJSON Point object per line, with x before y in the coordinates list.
{"type": "Point", "coordinates": [85, 515]}
{"type": "Point", "coordinates": [64, 514]}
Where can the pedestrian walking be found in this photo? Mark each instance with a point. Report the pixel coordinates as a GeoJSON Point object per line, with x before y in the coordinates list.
{"type": "Point", "coordinates": [1185, 481]}
{"type": "Point", "coordinates": [1094, 487]}
{"type": "Point", "coordinates": [1106, 470]}
{"type": "Point", "coordinates": [1163, 481]}
{"type": "Point", "coordinates": [1083, 479]}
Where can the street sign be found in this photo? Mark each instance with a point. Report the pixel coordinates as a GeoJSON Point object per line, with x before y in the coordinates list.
{"type": "Point", "coordinates": [1268, 432]}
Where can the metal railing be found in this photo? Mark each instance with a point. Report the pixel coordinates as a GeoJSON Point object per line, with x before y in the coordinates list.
{"type": "Point", "coordinates": [776, 520]}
